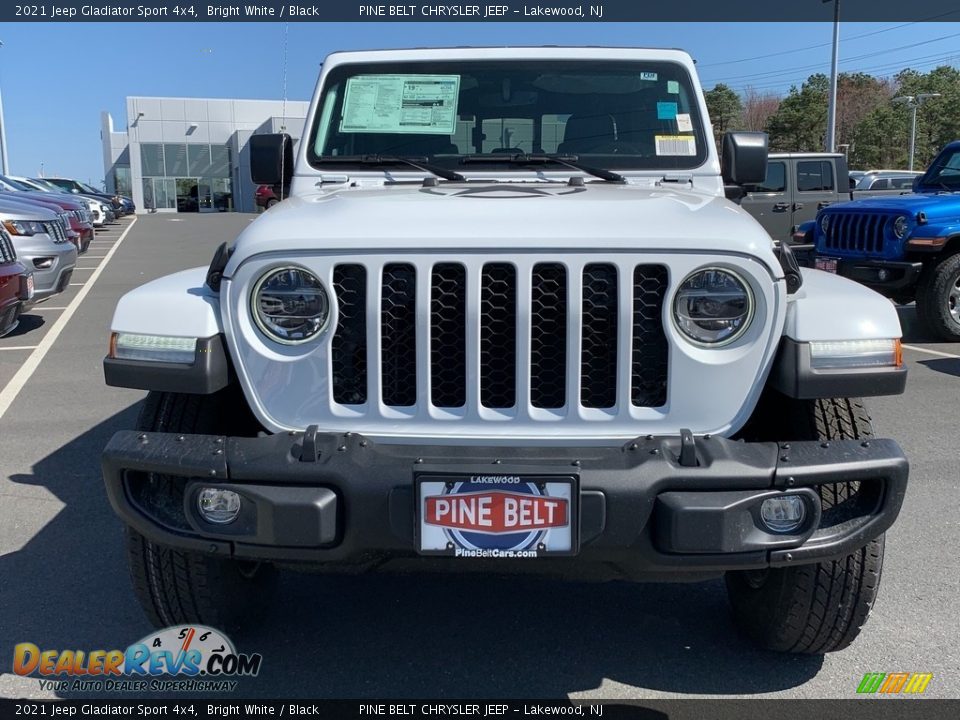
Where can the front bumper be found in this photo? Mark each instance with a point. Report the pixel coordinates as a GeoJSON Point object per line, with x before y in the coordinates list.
{"type": "Point", "coordinates": [660, 506]}
{"type": "Point", "coordinates": [897, 276]}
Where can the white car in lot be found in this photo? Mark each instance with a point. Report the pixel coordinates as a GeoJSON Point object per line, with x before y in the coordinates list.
{"type": "Point", "coordinates": [96, 207]}
{"type": "Point", "coordinates": [508, 320]}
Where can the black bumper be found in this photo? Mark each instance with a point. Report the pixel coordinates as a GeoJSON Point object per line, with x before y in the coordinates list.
{"type": "Point", "coordinates": [650, 507]}
{"type": "Point", "coordinates": [899, 276]}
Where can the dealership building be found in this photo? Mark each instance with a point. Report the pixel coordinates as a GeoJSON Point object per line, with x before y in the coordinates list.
{"type": "Point", "coordinates": [191, 154]}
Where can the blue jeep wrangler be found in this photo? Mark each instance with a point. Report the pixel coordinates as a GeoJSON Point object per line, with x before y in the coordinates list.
{"type": "Point", "coordinates": [906, 247]}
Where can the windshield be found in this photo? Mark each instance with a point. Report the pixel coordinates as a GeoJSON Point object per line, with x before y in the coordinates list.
{"type": "Point", "coordinates": [628, 115]}
{"type": "Point", "coordinates": [13, 183]}
{"type": "Point", "coordinates": [945, 172]}
{"type": "Point", "coordinates": [48, 185]}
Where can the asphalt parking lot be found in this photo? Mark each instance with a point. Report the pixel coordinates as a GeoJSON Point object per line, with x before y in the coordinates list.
{"type": "Point", "coordinates": [64, 584]}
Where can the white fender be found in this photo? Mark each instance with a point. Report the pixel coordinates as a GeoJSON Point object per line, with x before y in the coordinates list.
{"type": "Point", "coordinates": [830, 307]}
{"type": "Point", "coordinates": [178, 305]}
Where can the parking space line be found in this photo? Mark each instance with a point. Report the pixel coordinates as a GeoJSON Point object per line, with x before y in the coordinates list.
{"type": "Point", "coordinates": [931, 352]}
{"type": "Point", "coordinates": [47, 307]}
{"type": "Point", "coordinates": [76, 284]}
{"type": "Point", "coordinates": [20, 347]}
{"type": "Point", "coordinates": [30, 365]}
{"type": "Point", "coordinates": [85, 268]}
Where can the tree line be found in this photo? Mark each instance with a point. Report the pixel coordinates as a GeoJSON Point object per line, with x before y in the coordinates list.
{"type": "Point", "coordinates": [875, 129]}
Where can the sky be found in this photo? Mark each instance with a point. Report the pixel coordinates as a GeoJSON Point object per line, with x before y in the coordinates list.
{"type": "Point", "coordinates": [56, 78]}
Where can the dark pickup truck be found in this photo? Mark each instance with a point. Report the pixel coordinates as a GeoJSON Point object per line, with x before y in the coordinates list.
{"type": "Point", "coordinates": [797, 186]}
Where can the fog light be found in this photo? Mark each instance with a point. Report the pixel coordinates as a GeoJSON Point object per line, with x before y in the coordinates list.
{"type": "Point", "coordinates": [784, 513]}
{"type": "Point", "coordinates": [218, 506]}
{"type": "Point", "coordinates": [883, 275]}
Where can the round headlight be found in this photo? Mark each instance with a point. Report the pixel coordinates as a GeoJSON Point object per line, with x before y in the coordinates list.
{"type": "Point", "coordinates": [900, 226]}
{"type": "Point", "coordinates": [824, 223]}
{"type": "Point", "coordinates": [713, 306]}
{"type": "Point", "coordinates": [290, 305]}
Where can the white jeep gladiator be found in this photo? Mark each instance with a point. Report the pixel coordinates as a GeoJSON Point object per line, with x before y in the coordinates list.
{"type": "Point", "coordinates": [506, 318]}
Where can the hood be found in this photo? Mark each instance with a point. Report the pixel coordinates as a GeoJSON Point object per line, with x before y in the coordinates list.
{"type": "Point", "coordinates": [25, 210]}
{"type": "Point", "coordinates": [506, 216]}
{"type": "Point", "coordinates": [935, 207]}
{"type": "Point", "coordinates": [50, 199]}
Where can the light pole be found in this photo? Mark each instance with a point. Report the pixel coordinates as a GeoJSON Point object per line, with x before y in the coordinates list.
{"type": "Point", "coordinates": [831, 140]}
{"type": "Point", "coordinates": [913, 102]}
{"type": "Point", "coordinates": [3, 135]}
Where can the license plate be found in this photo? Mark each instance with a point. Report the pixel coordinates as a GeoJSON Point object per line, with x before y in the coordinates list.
{"type": "Point", "coordinates": [826, 264]}
{"type": "Point", "coordinates": [496, 516]}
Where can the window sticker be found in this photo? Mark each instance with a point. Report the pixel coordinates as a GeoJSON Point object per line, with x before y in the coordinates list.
{"type": "Point", "coordinates": [401, 104]}
{"type": "Point", "coordinates": [648, 76]}
{"type": "Point", "coordinates": [673, 87]}
{"type": "Point", "coordinates": [666, 110]}
{"type": "Point", "coordinates": [676, 145]}
{"type": "Point", "coordinates": [683, 123]}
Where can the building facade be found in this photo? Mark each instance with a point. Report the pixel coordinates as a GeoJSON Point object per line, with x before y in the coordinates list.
{"type": "Point", "coordinates": [191, 154]}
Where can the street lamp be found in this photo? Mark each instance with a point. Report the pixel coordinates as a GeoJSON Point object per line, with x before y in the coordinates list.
{"type": "Point", "coordinates": [3, 135]}
{"type": "Point", "coordinates": [831, 140]}
{"type": "Point", "coordinates": [913, 102]}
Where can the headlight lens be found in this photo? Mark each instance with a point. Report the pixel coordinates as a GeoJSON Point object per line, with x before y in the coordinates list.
{"type": "Point", "coordinates": [24, 227]}
{"type": "Point", "coordinates": [290, 305]}
{"type": "Point", "coordinates": [713, 306]}
{"type": "Point", "coordinates": [824, 223]}
{"type": "Point", "coordinates": [900, 227]}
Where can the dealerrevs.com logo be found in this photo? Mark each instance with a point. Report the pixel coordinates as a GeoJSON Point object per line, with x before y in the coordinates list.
{"type": "Point", "coordinates": [187, 658]}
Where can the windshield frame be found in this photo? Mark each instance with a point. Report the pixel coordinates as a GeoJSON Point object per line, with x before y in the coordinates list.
{"type": "Point", "coordinates": [336, 77]}
{"type": "Point", "coordinates": [932, 179]}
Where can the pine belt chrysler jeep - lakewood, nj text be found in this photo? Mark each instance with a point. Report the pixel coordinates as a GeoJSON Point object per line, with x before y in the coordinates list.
{"type": "Point", "coordinates": [508, 319]}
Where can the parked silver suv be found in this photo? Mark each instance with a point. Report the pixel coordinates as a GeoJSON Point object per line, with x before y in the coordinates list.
{"type": "Point", "coordinates": [41, 243]}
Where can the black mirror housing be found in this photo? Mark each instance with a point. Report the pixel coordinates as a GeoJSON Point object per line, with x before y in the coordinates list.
{"type": "Point", "coordinates": [744, 158]}
{"type": "Point", "coordinates": [271, 159]}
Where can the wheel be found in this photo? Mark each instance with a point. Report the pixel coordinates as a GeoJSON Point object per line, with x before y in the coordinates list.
{"type": "Point", "coordinates": [938, 298]}
{"type": "Point", "coordinates": [271, 202]}
{"type": "Point", "coordinates": [821, 607]}
{"type": "Point", "coordinates": [177, 587]}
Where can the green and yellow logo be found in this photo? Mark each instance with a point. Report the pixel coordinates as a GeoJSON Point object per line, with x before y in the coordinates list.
{"type": "Point", "coordinates": [895, 683]}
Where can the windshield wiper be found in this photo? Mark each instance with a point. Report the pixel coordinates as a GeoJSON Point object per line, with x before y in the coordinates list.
{"type": "Point", "coordinates": [418, 163]}
{"type": "Point", "coordinates": [570, 161]}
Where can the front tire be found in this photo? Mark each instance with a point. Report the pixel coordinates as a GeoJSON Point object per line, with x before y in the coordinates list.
{"type": "Point", "coordinates": [176, 587]}
{"type": "Point", "coordinates": [822, 607]}
{"type": "Point", "coordinates": [938, 298]}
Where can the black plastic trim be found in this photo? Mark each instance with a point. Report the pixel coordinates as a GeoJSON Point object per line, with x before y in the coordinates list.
{"type": "Point", "coordinates": [905, 274]}
{"type": "Point", "coordinates": [374, 512]}
{"type": "Point", "coordinates": [793, 375]}
{"type": "Point", "coordinates": [210, 372]}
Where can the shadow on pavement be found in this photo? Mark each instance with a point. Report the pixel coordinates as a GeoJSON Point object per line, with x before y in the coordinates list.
{"type": "Point", "coordinates": [947, 366]}
{"type": "Point", "coordinates": [386, 636]}
{"type": "Point", "coordinates": [27, 323]}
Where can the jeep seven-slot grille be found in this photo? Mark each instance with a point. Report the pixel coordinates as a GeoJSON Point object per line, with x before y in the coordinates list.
{"type": "Point", "coordinates": [593, 301]}
{"type": "Point", "coordinates": [856, 232]}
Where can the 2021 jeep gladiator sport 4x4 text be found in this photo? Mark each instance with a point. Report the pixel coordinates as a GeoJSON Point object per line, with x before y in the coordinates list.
{"type": "Point", "coordinates": [508, 319]}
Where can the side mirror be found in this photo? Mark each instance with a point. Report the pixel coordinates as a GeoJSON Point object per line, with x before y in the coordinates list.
{"type": "Point", "coordinates": [744, 158]}
{"type": "Point", "coordinates": [271, 160]}
{"type": "Point", "coordinates": [74, 191]}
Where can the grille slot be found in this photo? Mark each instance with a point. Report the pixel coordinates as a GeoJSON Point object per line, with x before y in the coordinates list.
{"type": "Point", "coordinates": [350, 340]}
{"type": "Point", "coordinates": [398, 335]}
{"type": "Point", "coordinates": [598, 358]}
{"type": "Point", "coordinates": [448, 335]}
{"type": "Point", "coordinates": [498, 335]}
{"type": "Point", "coordinates": [649, 372]}
{"type": "Point", "coordinates": [548, 336]}
{"type": "Point", "coordinates": [7, 252]}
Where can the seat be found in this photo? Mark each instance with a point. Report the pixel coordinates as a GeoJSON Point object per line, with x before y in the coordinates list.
{"type": "Point", "coordinates": [588, 133]}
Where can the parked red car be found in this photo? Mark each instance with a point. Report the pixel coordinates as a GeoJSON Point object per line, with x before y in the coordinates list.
{"type": "Point", "coordinates": [16, 285]}
{"type": "Point", "coordinates": [265, 197]}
